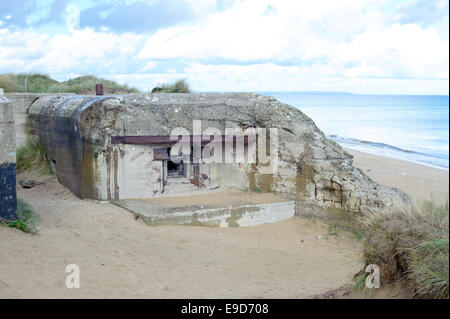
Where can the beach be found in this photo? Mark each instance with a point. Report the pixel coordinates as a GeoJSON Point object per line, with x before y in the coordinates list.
{"type": "Point", "coordinates": [120, 257]}
{"type": "Point", "coordinates": [405, 127]}
{"type": "Point", "coordinates": [422, 183]}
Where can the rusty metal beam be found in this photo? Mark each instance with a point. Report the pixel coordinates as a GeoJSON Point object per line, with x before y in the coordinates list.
{"type": "Point", "coordinates": [145, 140]}
{"type": "Point", "coordinates": [161, 154]}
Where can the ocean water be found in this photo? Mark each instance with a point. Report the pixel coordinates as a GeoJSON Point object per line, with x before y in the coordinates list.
{"type": "Point", "coordinates": [414, 128]}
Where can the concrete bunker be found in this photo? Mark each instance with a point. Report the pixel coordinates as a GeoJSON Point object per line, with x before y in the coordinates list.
{"type": "Point", "coordinates": [102, 149]}
{"type": "Point", "coordinates": [117, 148]}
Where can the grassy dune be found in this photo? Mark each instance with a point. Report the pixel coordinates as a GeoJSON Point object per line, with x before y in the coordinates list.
{"type": "Point", "coordinates": [41, 83]}
{"type": "Point", "coordinates": [413, 246]}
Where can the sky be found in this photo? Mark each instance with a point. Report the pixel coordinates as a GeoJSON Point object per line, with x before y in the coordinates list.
{"type": "Point", "coordinates": [358, 46]}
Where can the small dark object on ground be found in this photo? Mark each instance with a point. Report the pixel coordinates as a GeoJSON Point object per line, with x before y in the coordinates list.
{"type": "Point", "coordinates": [29, 183]}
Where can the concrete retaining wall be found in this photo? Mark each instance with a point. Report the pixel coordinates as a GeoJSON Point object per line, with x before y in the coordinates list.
{"type": "Point", "coordinates": [8, 200]}
{"type": "Point", "coordinates": [20, 104]}
{"type": "Point", "coordinates": [62, 139]}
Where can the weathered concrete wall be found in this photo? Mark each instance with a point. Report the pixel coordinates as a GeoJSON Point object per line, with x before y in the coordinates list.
{"type": "Point", "coordinates": [230, 175]}
{"type": "Point", "coordinates": [60, 133]}
{"type": "Point", "coordinates": [129, 171]}
{"type": "Point", "coordinates": [138, 176]}
{"type": "Point", "coordinates": [8, 200]}
{"type": "Point", "coordinates": [20, 104]}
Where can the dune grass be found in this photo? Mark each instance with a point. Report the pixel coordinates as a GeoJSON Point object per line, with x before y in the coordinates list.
{"type": "Point", "coordinates": [413, 246]}
{"type": "Point", "coordinates": [33, 155]}
{"type": "Point", "coordinates": [180, 86]}
{"type": "Point", "coordinates": [42, 83]}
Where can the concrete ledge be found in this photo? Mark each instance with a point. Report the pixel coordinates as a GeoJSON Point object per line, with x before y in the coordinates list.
{"type": "Point", "coordinates": [20, 104]}
{"type": "Point", "coordinates": [231, 216]}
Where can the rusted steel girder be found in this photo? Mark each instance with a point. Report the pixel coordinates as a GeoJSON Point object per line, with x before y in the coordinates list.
{"type": "Point", "coordinates": [144, 140]}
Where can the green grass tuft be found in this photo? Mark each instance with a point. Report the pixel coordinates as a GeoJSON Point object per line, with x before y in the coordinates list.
{"type": "Point", "coordinates": [359, 282]}
{"type": "Point", "coordinates": [26, 218]}
{"type": "Point", "coordinates": [33, 155]}
{"type": "Point", "coordinates": [336, 228]}
{"type": "Point", "coordinates": [180, 86]}
{"type": "Point", "coordinates": [257, 190]}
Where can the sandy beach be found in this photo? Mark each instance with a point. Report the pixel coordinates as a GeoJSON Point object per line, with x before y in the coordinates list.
{"type": "Point", "coordinates": [120, 257]}
{"type": "Point", "coordinates": [421, 182]}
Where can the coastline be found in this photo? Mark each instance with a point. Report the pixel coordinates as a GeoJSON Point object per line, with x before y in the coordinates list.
{"type": "Point", "coordinates": [421, 182]}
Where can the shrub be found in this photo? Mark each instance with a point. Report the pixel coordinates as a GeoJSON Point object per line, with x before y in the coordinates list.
{"type": "Point", "coordinates": [33, 155]}
{"type": "Point", "coordinates": [411, 245]}
{"type": "Point", "coordinates": [8, 83]}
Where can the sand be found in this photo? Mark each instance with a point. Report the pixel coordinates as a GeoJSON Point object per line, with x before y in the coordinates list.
{"type": "Point", "coordinates": [419, 181]}
{"type": "Point", "coordinates": [120, 257]}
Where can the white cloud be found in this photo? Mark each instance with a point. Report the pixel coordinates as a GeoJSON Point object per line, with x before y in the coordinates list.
{"type": "Point", "coordinates": [397, 51]}
{"type": "Point", "coordinates": [81, 51]}
{"type": "Point", "coordinates": [150, 65]}
{"type": "Point", "coordinates": [20, 45]}
{"type": "Point", "coordinates": [350, 38]}
{"type": "Point", "coordinates": [202, 8]}
{"type": "Point", "coordinates": [249, 31]}
{"type": "Point", "coordinates": [318, 77]}
{"type": "Point", "coordinates": [272, 77]}
{"type": "Point", "coordinates": [349, 45]}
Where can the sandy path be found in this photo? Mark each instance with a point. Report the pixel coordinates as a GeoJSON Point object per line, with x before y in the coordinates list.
{"type": "Point", "coordinates": [419, 181]}
{"type": "Point", "coordinates": [120, 257]}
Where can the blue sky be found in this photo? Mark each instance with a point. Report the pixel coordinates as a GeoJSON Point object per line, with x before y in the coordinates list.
{"type": "Point", "coordinates": [359, 46]}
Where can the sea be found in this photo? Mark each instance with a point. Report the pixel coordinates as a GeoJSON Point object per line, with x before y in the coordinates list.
{"type": "Point", "coordinates": [412, 128]}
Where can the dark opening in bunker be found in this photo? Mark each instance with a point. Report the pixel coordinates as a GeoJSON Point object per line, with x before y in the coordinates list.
{"type": "Point", "coordinates": [174, 169]}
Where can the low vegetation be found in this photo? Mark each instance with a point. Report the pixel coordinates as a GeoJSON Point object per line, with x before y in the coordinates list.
{"type": "Point", "coordinates": [335, 229]}
{"type": "Point", "coordinates": [26, 218]}
{"type": "Point", "coordinates": [33, 155]}
{"type": "Point", "coordinates": [41, 83]}
{"type": "Point", "coordinates": [413, 246]}
{"type": "Point", "coordinates": [180, 86]}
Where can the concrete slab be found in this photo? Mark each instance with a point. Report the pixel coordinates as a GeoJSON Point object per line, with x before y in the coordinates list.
{"type": "Point", "coordinates": [219, 209]}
